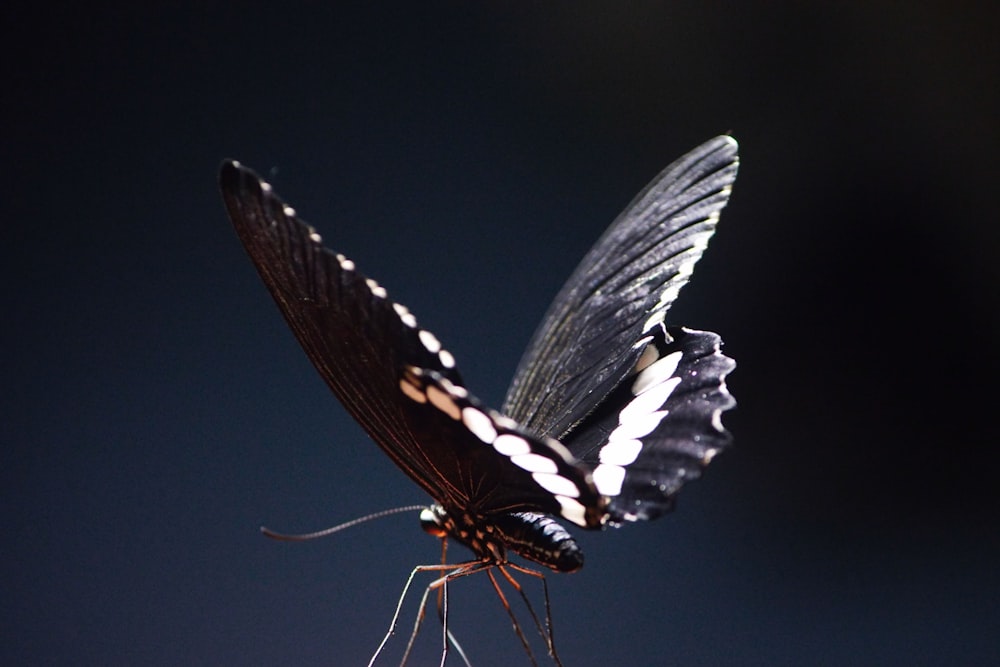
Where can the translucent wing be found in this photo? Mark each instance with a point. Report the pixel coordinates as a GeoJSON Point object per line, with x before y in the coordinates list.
{"type": "Point", "coordinates": [613, 303]}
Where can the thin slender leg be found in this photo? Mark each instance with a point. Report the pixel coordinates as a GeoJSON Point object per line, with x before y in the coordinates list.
{"type": "Point", "coordinates": [399, 603]}
{"type": "Point", "coordinates": [457, 571]}
{"type": "Point", "coordinates": [444, 621]}
{"type": "Point", "coordinates": [416, 625]}
{"type": "Point", "coordinates": [547, 633]}
{"type": "Point", "coordinates": [443, 618]}
{"type": "Point", "coordinates": [510, 613]}
{"type": "Point", "coordinates": [527, 603]}
{"type": "Point", "coordinates": [440, 585]}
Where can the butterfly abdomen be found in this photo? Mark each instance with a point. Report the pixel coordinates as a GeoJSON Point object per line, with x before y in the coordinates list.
{"type": "Point", "coordinates": [540, 539]}
{"type": "Point", "coordinates": [534, 536]}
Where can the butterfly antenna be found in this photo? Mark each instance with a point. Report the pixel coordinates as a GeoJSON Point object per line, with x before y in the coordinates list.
{"type": "Point", "coordinates": [336, 529]}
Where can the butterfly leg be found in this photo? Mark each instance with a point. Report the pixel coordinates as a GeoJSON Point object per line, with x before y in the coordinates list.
{"type": "Point", "coordinates": [547, 631]}
{"type": "Point", "coordinates": [449, 637]}
{"type": "Point", "coordinates": [399, 605]}
{"type": "Point", "coordinates": [446, 636]}
{"type": "Point", "coordinates": [510, 612]}
{"type": "Point", "coordinates": [418, 621]}
{"type": "Point", "coordinates": [441, 585]}
{"type": "Point", "coordinates": [456, 571]}
{"type": "Point", "coordinates": [442, 615]}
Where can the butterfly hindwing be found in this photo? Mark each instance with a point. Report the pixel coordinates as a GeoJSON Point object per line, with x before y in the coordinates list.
{"type": "Point", "coordinates": [590, 336]}
{"type": "Point", "coordinates": [660, 426]}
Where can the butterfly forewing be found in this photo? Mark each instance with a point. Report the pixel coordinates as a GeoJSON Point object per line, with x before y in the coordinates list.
{"type": "Point", "coordinates": [394, 377]}
{"type": "Point", "coordinates": [594, 330]}
{"type": "Point", "coordinates": [356, 337]}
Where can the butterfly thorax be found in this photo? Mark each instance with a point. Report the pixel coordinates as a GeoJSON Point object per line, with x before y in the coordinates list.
{"type": "Point", "coordinates": [534, 536]}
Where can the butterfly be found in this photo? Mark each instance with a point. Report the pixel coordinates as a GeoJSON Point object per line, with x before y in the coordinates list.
{"type": "Point", "coordinates": [611, 410]}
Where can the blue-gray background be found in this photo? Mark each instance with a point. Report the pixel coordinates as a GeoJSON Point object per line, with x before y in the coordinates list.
{"type": "Point", "coordinates": [156, 409]}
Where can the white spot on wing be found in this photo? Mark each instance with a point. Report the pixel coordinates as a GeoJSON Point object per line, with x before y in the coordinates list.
{"type": "Point", "coordinates": [556, 484]}
{"type": "Point", "coordinates": [314, 236]}
{"type": "Point", "coordinates": [443, 402]}
{"type": "Point", "coordinates": [534, 463]}
{"type": "Point", "coordinates": [405, 315]}
{"type": "Point", "coordinates": [608, 479]}
{"type": "Point", "coordinates": [289, 211]}
{"type": "Point", "coordinates": [638, 426]}
{"type": "Point", "coordinates": [413, 392]}
{"type": "Point", "coordinates": [505, 422]}
{"type": "Point", "coordinates": [685, 270]}
{"type": "Point", "coordinates": [620, 452]}
{"type": "Point", "coordinates": [509, 444]}
{"type": "Point", "coordinates": [648, 401]}
{"type": "Point", "coordinates": [717, 421]}
{"type": "Point", "coordinates": [447, 360]}
{"type": "Point", "coordinates": [648, 356]}
{"type": "Point", "coordinates": [480, 424]}
{"type": "Point", "coordinates": [658, 372]}
{"type": "Point", "coordinates": [572, 510]}
{"type": "Point", "coordinates": [655, 319]}
{"type": "Point", "coordinates": [430, 342]}
{"type": "Point", "coordinates": [668, 296]}
{"type": "Point", "coordinates": [700, 242]}
{"type": "Point", "coordinates": [642, 341]}
{"type": "Point", "coordinates": [265, 187]}
{"type": "Point", "coordinates": [376, 289]}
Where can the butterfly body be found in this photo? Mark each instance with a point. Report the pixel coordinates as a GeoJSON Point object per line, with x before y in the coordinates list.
{"type": "Point", "coordinates": [533, 536]}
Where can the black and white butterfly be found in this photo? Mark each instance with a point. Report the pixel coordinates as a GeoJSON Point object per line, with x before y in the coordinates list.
{"type": "Point", "coordinates": [609, 413]}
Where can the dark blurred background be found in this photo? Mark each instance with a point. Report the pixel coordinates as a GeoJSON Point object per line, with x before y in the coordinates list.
{"type": "Point", "coordinates": [156, 409]}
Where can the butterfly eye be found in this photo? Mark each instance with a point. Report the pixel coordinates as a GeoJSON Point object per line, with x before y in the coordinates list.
{"type": "Point", "coordinates": [432, 520]}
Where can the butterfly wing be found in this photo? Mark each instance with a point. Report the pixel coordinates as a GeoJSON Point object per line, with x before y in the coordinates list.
{"type": "Point", "coordinates": [369, 350]}
{"type": "Point", "coordinates": [660, 426]}
{"type": "Point", "coordinates": [507, 468]}
{"type": "Point", "coordinates": [572, 379]}
{"type": "Point", "coordinates": [588, 339]}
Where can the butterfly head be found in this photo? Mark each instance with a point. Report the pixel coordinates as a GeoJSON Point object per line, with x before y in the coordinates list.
{"type": "Point", "coordinates": [434, 520]}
